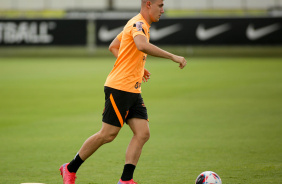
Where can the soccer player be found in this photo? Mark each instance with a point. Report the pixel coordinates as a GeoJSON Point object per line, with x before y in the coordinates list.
{"type": "Point", "coordinates": [123, 101]}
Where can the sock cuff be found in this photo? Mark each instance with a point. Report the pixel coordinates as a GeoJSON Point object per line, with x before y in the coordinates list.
{"type": "Point", "coordinates": [128, 172]}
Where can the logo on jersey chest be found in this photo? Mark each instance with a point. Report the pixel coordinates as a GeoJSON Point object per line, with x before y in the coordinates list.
{"type": "Point", "coordinates": [144, 58]}
{"type": "Point", "coordinates": [137, 85]}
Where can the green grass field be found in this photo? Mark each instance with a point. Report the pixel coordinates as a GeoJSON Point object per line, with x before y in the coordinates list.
{"type": "Point", "coordinates": [218, 114]}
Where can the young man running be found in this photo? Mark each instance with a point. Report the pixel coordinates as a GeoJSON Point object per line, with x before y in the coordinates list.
{"type": "Point", "coordinates": [123, 101]}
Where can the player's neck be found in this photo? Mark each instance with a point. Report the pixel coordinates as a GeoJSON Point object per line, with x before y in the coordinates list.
{"type": "Point", "coordinates": [146, 16]}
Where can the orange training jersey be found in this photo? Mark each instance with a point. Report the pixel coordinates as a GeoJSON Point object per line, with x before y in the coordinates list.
{"type": "Point", "coordinates": [128, 70]}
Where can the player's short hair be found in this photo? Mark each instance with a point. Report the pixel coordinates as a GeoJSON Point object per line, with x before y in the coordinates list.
{"type": "Point", "coordinates": [144, 1]}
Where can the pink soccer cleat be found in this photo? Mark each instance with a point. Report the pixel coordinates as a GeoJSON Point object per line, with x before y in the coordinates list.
{"type": "Point", "coordinates": [68, 177]}
{"type": "Point", "coordinates": [126, 182]}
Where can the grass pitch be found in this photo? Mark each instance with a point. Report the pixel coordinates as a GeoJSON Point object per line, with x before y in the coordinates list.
{"type": "Point", "coordinates": [218, 114]}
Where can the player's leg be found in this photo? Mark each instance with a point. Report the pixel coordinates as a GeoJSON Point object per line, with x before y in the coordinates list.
{"type": "Point", "coordinates": [112, 123]}
{"type": "Point", "coordinates": [141, 134]}
{"type": "Point", "coordinates": [105, 135]}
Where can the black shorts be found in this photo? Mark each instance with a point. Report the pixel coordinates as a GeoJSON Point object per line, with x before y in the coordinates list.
{"type": "Point", "coordinates": [121, 106]}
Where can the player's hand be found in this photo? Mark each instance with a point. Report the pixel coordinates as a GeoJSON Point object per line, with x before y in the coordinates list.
{"type": "Point", "coordinates": [146, 75]}
{"type": "Point", "coordinates": [181, 60]}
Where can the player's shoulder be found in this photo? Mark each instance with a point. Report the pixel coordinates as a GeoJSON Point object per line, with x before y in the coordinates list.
{"type": "Point", "coordinates": [138, 25]}
{"type": "Point", "coordinates": [137, 21]}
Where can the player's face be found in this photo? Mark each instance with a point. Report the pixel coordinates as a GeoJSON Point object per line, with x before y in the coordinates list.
{"type": "Point", "coordinates": [157, 9]}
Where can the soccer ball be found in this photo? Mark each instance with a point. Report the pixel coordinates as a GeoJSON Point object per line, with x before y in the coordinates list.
{"type": "Point", "coordinates": [208, 177]}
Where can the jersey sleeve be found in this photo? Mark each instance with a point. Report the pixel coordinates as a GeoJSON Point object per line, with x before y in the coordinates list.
{"type": "Point", "coordinates": [138, 29]}
{"type": "Point", "coordinates": [119, 36]}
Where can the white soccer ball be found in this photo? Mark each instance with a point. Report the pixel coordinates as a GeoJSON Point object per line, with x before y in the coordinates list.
{"type": "Point", "coordinates": [208, 177]}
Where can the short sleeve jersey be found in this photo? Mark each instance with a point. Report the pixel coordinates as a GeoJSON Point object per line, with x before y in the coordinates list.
{"type": "Point", "coordinates": [128, 69]}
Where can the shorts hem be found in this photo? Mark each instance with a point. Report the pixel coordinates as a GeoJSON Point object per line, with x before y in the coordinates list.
{"type": "Point", "coordinates": [111, 124]}
{"type": "Point", "coordinates": [138, 118]}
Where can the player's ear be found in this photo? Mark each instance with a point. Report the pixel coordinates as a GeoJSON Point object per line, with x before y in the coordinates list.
{"type": "Point", "coordinates": [148, 4]}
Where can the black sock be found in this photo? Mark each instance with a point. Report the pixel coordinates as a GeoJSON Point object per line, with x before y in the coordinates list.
{"type": "Point", "coordinates": [128, 172]}
{"type": "Point", "coordinates": [75, 164]}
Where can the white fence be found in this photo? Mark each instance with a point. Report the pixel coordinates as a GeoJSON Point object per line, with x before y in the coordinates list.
{"type": "Point", "coordinates": [135, 4]}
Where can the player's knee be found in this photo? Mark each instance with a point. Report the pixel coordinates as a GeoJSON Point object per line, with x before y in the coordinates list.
{"type": "Point", "coordinates": [147, 136]}
{"type": "Point", "coordinates": [144, 136]}
{"type": "Point", "coordinates": [110, 138]}
{"type": "Point", "coordinates": [107, 137]}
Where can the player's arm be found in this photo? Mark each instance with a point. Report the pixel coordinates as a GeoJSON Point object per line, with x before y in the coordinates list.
{"type": "Point", "coordinates": [114, 47]}
{"type": "Point", "coordinates": [148, 48]}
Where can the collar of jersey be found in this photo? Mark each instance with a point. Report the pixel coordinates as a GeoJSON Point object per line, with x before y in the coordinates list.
{"type": "Point", "coordinates": [144, 20]}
